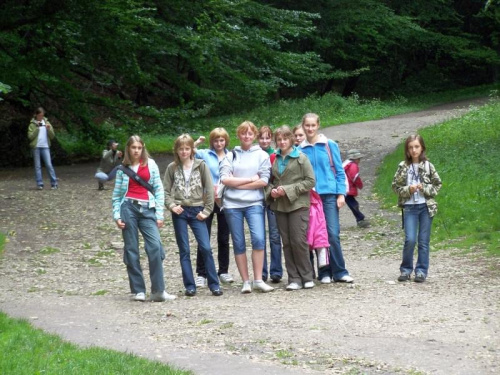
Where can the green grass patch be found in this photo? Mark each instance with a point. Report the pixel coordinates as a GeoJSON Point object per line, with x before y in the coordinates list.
{"type": "Point", "coordinates": [3, 240]}
{"type": "Point", "coordinates": [26, 350]}
{"type": "Point", "coordinates": [465, 152]}
{"type": "Point", "coordinates": [47, 250]}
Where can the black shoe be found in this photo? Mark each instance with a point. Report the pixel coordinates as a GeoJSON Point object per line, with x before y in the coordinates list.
{"type": "Point", "coordinates": [190, 292]}
{"type": "Point", "coordinates": [419, 278]}
{"type": "Point", "coordinates": [217, 292]}
{"type": "Point", "coordinates": [101, 186]}
{"type": "Point", "coordinates": [404, 277]}
{"type": "Point", "coordinates": [275, 279]}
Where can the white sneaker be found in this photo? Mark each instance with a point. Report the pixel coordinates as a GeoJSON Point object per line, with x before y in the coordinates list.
{"type": "Point", "coordinates": [247, 287]}
{"type": "Point", "coordinates": [326, 280]}
{"type": "Point", "coordinates": [309, 285]}
{"type": "Point", "coordinates": [162, 296]}
{"type": "Point", "coordinates": [293, 286]}
{"type": "Point", "coordinates": [200, 282]}
{"type": "Point", "coordinates": [226, 278]}
{"type": "Point", "coordinates": [345, 279]}
{"type": "Point", "coordinates": [262, 286]}
{"type": "Point", "coordinates": [141, 297]}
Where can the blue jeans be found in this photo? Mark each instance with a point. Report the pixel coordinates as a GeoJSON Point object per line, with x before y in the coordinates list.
{"type": "Point", "coordinates": [44, 154]}
{"type": "Point", "coordinates": [353, 205]}
{"type": "Point", "coordinates": [254, 216]}
{"type": "Point", "coordinates": [275, 242]}
{"type": "Point", "coordinates": [104, 177]}
{"type": "Point", "coordinates": [336, 269]}
{"type": "Point", "coordinates": [416, 221]}
{"type": "Point", "coordinates": [199, 228]}
{"type": "Point", "coordinates": [222, 242]}
{"type": "Point", "coordinates": [143, 219]}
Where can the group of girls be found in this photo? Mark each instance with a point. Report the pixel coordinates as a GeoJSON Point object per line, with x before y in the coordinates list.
{"type": "Point", "coordinates": [239, 186]}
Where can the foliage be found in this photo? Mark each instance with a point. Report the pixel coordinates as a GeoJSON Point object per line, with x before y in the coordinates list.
{"type": "Point", "coordinates": [26, 350]}
{"type": "Point", "coordinates": [465, 152]}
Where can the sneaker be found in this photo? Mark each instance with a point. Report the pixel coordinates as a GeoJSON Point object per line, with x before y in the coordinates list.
{"type": "Point", "coordinates": [326, 280]}
{"type": "Point", "coordinates": [190, 292]}
{"type": "Point", "coordinates": [309, 285]}
{"type": "Point", "coordinates": [262, 286]}
{"type": "Point", "coordinates": [419, 278]}
{"type": "Point", "coordinates": [162, 296]}
{"type": "Point", "coordinates": [345, 279]}
{"type": "Point", "coordinates": [141, 297]}
{"type": "Point", "coordinates": [217, 292]}
{"type": "Point", "coordinates": [226, 278]}
{"type": "Point", "coordinates": [293, 286]}
{"type": "Point", "coordinates": [54, 187]}
{"type": "Point", "coordinates": [247, 287]}
{"type": "Point", "coordinates": [363, 223]}
{"type": "Point", "coordinates": [404, 277]}
{"type": "Point", "coordinates": [101, 186]}
{"type": "Point", "coordinates": [40, 187]}
{"type": "Point", "coordinates": [275, 279]}
{"type": "Point", "coordinates": [200, 282]}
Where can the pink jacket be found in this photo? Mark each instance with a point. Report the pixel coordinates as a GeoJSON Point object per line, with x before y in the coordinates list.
{"type": "Point", "coordinates": [352, 176]}
{"type": "Point", "coordinates": [317, 236]}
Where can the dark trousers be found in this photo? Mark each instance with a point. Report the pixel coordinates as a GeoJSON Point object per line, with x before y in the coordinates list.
{"type": "Point", "coordinates": [222, 243]}
{"type": "Point", "coordinates": [353, 204]}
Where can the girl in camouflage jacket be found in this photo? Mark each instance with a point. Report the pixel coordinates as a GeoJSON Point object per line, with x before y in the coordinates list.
{"type": "Point", "coordinates": [416, 183]}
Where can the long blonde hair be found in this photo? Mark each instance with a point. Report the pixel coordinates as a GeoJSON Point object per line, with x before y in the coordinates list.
{"type": "Point", "coordinates": [127, 160]}
{"type": "Point", "coordinates": [183, 140]}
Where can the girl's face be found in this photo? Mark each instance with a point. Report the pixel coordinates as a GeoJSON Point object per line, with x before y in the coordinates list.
{"type": "Point", "coordinates": [311, 127]}
{"type": "Point", "coordinates": [299, 136]}
{"type": "Point", "coordinates": [415, 149]}
{"type": "Point", "coordinates": [284, 144]}
{"type": "Point", "coordinates": [265, 141]}
{"type": "Point", "coordinates": [246, 139]}
{"type": "Point", "coordinates": [219, 144]}
{"type": "Point", "coordinates": [184, 152]}
{"type": "Point", "coordinates": [135, 151]}
{"type": "Point", "coordinates": [39, 116]}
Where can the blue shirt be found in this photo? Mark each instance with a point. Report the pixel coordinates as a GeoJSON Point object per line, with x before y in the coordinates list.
{"type": "Point", "coordinates": [210, 157]}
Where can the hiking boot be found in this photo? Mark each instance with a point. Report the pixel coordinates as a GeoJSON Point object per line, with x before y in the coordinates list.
{"type": "Point", "coordinates": [200, 282]}
{"type": "Point", "coordinates": [190, 293]}
{"type": "Point", "coordinates": [141, 297]}
{"type": "Point", "coordinates": [247, 287]}
{"type": "Point", "coordinates": [162, 296]}
{"type": "Point", "coordinates": [404, 277]}
{"type": "Point", "coordinates": [419, 278]}
{"type": "Point", "coordinates": [363, 223]}
{"type": "Point", "coordinates": [226, 278]}
{"type": "Point", "coordinates": [293, 286]}
{"type": "Point", "coordinates": [217, 292]}
{"type": "Point", "coordinates": [262, 286]}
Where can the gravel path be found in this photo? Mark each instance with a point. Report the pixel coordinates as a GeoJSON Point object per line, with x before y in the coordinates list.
{"type": "Point", "coordinates": [62, 270]}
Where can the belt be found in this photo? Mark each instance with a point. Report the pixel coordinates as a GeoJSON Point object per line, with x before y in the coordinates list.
{"type": "Point", "coordinates": [139, 203]}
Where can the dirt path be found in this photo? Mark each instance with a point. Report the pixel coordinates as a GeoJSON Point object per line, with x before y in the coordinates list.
{"type": "Point", "coordinates": [62, 270]}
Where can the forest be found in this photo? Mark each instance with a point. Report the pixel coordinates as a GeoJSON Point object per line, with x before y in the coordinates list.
{"type": "Point", "coordinates": [148, 66]}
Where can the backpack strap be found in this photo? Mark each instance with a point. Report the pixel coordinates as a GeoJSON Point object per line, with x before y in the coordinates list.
{"type": "Point", "coordinates": [332, 166]}
{"type": "Point", "coordinates": [129, 172]}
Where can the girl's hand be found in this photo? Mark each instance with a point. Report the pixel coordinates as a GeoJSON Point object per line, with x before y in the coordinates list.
{"type": "Point", "coordinates": [177, 210]}
{"type": "Point", "coordinates": [120, 224]}
{"type": "Point", "coordinates": [281, 191]}
{"type": "Point", "coordinates": [413, 188]}
{"type": "Point", "coordinates": [159, 223]}
{"type": "Point", "coordinates": [340, 201]}
{"type": "Point", "coordinates": [274, 193]}
{"type": "Point", "coordinates": [201, 216]}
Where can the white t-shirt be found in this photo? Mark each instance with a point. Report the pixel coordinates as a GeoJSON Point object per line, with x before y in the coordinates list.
{"type": "Point", "coordinates": [414, 179]}
{"type": "Point", "coordinates": [42, 141]}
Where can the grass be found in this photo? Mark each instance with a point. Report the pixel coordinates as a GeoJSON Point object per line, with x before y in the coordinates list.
{"type": "Point", "coordinates": [26, 350]}
{"type": "Point", "coordinates": [3, 240]}
{"type": "Point", "coordinates": [332, 108]}
{"type": "Point", "coordinates": [465, 152]}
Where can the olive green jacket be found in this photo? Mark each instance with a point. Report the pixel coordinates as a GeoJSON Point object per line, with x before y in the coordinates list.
{"type": "Point", "coordinates": [430, 181]}
{"type": "Point", "coordinates": [297, 180]}
{"type": "Point", "coordinates": [33, 131]}
{"type": "Point", "coordinates": [109, 160]}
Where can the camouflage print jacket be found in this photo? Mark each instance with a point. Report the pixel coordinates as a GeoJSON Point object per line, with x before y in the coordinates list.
{"type": "Point", "coordinates": [430, 181]}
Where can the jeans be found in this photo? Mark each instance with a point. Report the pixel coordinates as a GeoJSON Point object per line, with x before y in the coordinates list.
{"type": "Point", "coordinates": [336, 269]}
{"type": "Point", "coordinates": [44, 154]}
{"type": "Point", "coordinates": [254, 216]}
{"type": "Point", "coordinates": [222, 243]}
{"type": "Point", "coordinates": [353, 204]}
{"type": "Point", "coordinates": [199, 228]}
{"type": "Point", "coordinates": [143, 219]}
{"type": "Point", "coordinates": [105, 177]}
{"type": "Point", "coordinates": [416, 220]}
{"type": "Point", "coordinates": [275, 242]}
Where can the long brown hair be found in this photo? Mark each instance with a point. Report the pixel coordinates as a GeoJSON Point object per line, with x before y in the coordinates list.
{"type": "Point", "coordinates": [411, 138]}
{"type": "Point", "coordinates": [127, 160]}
